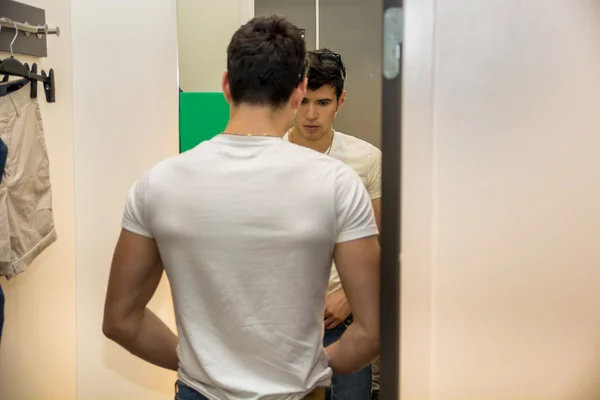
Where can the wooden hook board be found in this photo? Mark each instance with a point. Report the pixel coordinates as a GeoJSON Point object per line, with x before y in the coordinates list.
{"type": "Point", "coordinates": [30, 44]}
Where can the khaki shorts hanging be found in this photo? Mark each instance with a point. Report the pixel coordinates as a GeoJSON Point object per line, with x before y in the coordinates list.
{"type": "Point", "coordinates": [26, 220]}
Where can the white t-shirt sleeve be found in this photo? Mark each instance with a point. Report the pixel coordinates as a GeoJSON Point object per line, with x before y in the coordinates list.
{"type": "Point", "coordinates": [134, 217]}
{"type": "Point", "coordinates": [354, 210]}
{"type": "Point", "coordinates": [374, 174]}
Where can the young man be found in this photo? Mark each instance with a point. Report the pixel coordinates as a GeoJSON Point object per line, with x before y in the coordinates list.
{"type": "Point", "coordinates": [313, 128]}
{"type": "Point", "coordinates": [245, 226]}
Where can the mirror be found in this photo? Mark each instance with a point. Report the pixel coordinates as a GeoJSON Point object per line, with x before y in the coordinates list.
{"type": "Point", "coordinates": [350, 28]}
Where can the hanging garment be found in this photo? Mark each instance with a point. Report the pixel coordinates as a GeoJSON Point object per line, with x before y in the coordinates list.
{"type": "Point", "coordinates": [3, 156]}
{"type": "Point", "coordinates": [1, 312]}
{"type": "Point", "coordinates": [26, 220]}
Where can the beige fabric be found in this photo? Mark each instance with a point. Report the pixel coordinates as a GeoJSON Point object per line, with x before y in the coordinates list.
{"type": "Point", "coordinates": [375, 369]}
{"type": "Point", "coordinates": [26, 221]}
{"type": "Point", "coordinates": [365, 160]}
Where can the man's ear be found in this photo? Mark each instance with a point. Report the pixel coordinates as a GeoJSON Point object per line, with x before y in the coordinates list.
{"type": "Point", "coordinates": [341, 101]}
{"type": "Point", "coordinates": [299, 94]}
{"type": "Point", "coordinates": [225, 87]}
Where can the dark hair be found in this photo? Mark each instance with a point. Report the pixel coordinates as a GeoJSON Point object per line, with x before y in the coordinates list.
{"type": "Point", "coordinates": [266, 61]}
{"type": "Point", "coordinates": [326, 68]}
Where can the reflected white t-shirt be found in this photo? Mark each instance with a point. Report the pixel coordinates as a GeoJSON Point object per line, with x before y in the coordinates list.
{"type": "Point", "coordinates": [365, 160]}
{"type": "Point", "coordinates": [246, 228]}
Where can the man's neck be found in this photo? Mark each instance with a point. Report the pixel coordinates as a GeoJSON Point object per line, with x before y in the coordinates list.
{"type": "Point", "coordinates": [256, 121]}
{"type": "Point", "coordinates": [321, 145]}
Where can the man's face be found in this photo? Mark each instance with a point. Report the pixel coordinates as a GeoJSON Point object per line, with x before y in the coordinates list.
{"type": "Point", "coordinates": [317, 112]}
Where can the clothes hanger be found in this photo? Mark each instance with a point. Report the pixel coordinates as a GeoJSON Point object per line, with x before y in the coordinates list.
{"type": "Point", "coordinates": [6, 77]}
{"type": "Point", "coordinates": [13, 67]}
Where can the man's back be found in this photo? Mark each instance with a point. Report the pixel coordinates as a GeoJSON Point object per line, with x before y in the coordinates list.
{"type": "Point", "coordinates": [246, 227]}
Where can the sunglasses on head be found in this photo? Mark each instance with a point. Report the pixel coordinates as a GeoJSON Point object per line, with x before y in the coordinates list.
{"type": "Point", "coordinates": [327, 56]}
{"type": "Point", "coordinates": [332, 57]}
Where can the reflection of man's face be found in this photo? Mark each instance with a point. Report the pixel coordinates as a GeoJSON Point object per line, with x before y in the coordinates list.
{"type": "Point", "coordinates": [317, 112]}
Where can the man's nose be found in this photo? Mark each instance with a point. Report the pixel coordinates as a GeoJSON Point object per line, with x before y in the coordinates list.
{"type": "Point", "coordinates": [312, 112]}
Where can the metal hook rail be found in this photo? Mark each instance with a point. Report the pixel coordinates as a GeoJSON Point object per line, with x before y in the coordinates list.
{"type": "Point", "coordinates": [28, 29]}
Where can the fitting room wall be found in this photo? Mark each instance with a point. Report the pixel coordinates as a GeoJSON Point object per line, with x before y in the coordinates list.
{"type": "Point", "coordinates": [501, 212]}
{"type": "Point", "coordinates": [125, 120]}
{"type": "Point", "coordinates": [115, 117]}
{"type": "Point", "coordinates": [37, 356]}
{"type": "Point", "coordinates": [203, 40]}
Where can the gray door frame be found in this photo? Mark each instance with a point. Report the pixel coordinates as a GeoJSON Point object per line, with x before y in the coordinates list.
{"type": "Point", "coordinates": [391, 145]}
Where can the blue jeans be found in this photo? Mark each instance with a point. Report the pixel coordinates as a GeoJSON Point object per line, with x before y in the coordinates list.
{"type": "Point", "coordinates": [356, 386]}
{"type": "Point", "coordinates": [184, 392]}
{"type": "Point", "coordinates": [1, 311]}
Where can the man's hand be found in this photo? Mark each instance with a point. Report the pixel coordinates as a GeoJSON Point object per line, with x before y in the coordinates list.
{"type": "Point", "coordinates": [337, 309]}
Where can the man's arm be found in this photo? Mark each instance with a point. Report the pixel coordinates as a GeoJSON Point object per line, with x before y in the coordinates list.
{"type": "Point", "coordinates": [337, 309]}
{"type": "Point", "coordinates": [377, 210]}
{"type": "Point", "coordinates": [135, 274]}
{"type": "Point", "coordinates": [358, 266]}
{"type": "Point", "coordinates": [356, 255]}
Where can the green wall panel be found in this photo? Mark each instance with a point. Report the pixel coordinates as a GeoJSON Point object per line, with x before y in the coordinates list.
{"type": "Point", "coordinates": [201, 117]}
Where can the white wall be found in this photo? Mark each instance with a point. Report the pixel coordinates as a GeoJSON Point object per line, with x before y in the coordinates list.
{"type": "Point", "coordinates": [115, 117]}
{"type": "Point", "coordinates": [502, 218]}
{"type": "Point", "coordinates": [203, 40]}
{"type": "Point", "coordinates": [37, 356]}
{"type": "Point", "coordinates": [126, 119]}
{"type": "Point", "coordinates": [417, 219]}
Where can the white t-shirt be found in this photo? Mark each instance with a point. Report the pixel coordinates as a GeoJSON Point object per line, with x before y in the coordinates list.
{"type": "Point", "coordinates": [365, 160]}
{"type": "Point", "coordinates": [246, 228]}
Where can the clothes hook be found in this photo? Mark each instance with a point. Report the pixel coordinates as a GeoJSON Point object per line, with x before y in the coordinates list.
{"type": "Point", "coordinates": [12, 54]}
{"type": "Point", "coordinates": [15, 38]}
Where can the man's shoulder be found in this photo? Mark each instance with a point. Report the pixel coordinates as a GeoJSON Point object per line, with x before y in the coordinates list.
{"type": "Point", "coordinates": [355, 146]}
{"type": "Point", "coordinates": [159, 173]}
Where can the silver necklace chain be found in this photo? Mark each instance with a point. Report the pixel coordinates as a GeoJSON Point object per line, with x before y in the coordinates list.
{"type": "Point", "coordinates": [326, 152]}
